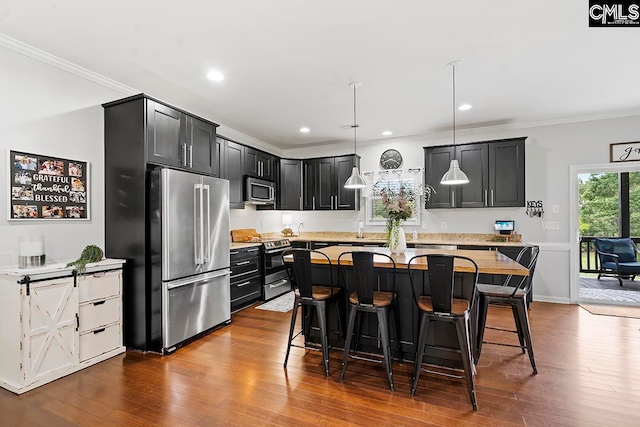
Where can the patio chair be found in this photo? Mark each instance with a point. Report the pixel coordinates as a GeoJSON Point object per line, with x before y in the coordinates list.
{"type": "Point", "coordinates": [617, 258]}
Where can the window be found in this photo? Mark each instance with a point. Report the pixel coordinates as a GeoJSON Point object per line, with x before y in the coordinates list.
{"type": "Point", "coordinates": [375, 210]}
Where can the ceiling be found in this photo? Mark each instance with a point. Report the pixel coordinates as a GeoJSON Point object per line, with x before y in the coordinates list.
{"type": "Point", "coordinates": [288, 64]}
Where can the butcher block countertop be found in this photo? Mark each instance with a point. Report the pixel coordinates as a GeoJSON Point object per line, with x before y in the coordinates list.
{"type": "Point", "coordinates": [489, 262]}
{"type": "Point", "coordinates": [459, 239]}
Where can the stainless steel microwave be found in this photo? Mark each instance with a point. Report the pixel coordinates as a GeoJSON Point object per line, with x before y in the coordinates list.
{"type": "Point", "coordinates": [259, 192]}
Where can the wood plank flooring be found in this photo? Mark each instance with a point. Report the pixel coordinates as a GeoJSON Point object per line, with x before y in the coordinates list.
{"type": "Point", "coordinates": [589, 375]}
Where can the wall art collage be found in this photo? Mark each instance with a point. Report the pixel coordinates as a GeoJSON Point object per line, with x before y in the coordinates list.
{"type": "Point", "coordinates": [46, 187]}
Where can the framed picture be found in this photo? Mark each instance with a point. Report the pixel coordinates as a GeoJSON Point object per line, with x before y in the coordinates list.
{"type": "Point", "coordinates": [47, 187]}
{"type": "Point", "coordinates": [624, 152]}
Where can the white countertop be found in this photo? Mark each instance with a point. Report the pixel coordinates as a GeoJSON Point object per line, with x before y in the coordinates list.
{"type": "Point", "coordinates": [59, 269]}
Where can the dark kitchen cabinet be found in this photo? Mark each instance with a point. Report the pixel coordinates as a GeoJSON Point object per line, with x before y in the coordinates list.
{"type": "Point", "coordinates": [506, 173]}
{"type": "Point", "coordinates": [323, 184]}
{"type": "Point", "coordinates": [219, 167]}
{"type": "Point", "coordinates": [234, 154]}
{"type": "Point", "coordinates": [177, 139]}
{"type": "Point", "coordinates": [436, 164]}
{"type": "Point", "coordinates": [246, 277]}
{"type": "Point", "coordinates": [290, 188]}
{"type": "Point", "coordinates": [259, 164]}
{"type": "Point", "coordinates": [308, 184]}
{"type": "Point", "coordinates": [496, 172]}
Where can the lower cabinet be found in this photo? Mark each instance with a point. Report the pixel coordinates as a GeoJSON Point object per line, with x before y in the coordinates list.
{"type": "Point", "coordinates": [56, 323]}
{"type": "Point", "coordinates": [246, 277]}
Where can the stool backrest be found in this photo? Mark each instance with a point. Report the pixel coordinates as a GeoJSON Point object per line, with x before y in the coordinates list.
{"type": "Point", "coordinates": [365, 275]}
{"type": "Point", "coordinates": [525, 282]}
{"type": "Point", "coordinates": [440, 270]}
{"type": "Point", "coordinates": [302, 277]}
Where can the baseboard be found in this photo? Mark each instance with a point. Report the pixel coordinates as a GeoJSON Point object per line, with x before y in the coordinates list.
{"type": "Point", "coordinates": [555, 300]}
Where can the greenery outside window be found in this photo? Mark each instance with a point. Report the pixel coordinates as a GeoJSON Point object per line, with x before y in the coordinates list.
{"type": "Point", "coordinates": [375, 212]}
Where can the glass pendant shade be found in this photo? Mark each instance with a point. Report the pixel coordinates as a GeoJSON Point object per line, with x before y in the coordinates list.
{"type": "Point", "coordinates": [355, 180]}
{"type": "Point", "coordinates": [454, 175]}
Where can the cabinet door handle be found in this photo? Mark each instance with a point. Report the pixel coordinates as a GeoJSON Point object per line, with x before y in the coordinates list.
{"type": "Point", "coordinates": [191, 156]}
{"type": "Point", "coordinates": [492, 197]}
{"type": "Point", "coordinates": [97, 331]}
{"type": "Point", "coordinates": [183, 161]}
{"type": "Point", "coordinates": [300, 202]}
{"type": "Point", "coordinates": [244, 284]}
{"type": "Point", "coordinates": [486, 201]}
{"type": "Point", "coordinates": [99, 302]}
{"type": "Point", "coordinates": [243, 263]}
{"type": "Point", "coordinates": [313, 202]}
{"type": "Point", "coordinates": [453, 198]}
{"type": "Point", "coordinates": [253, 250]}
{"type": "Point", "coordinates": [234, 253]}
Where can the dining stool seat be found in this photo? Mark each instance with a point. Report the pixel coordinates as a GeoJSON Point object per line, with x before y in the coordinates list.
{"type": "Point", "coordinates": [512, 293]}
{"type": "Point", "coordinates": [361, 279]}
{"type": "Point", "coordinates": [500, 291]}
{"type": "Point", "coordinates": [315, 299]}
{"type": "Point", "coordinates": [380, 299]}
{"type": "Point", "coordinates": [459, 307]}
{"type": "Point", "coordinates": [441, 305]}
{"type": "Point", "coordinates": [319, 292]}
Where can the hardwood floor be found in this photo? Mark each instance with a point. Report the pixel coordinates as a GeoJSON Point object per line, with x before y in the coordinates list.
{"type": "Point", "coordinates": [589, 374]}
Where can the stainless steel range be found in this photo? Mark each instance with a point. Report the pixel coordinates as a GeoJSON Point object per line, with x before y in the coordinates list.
{"type": "Point", "coordinates": [276, 280]}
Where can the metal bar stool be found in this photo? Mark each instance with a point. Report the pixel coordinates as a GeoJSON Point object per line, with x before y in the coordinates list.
{"type": "Point", "coordinates": [364, 298]}
{"type": "Point", "coordinates": [441, 306]}
{"type": "Point", "coordinates": [509, 295]}
{"type": "Point", "coordinates": [318, 297]}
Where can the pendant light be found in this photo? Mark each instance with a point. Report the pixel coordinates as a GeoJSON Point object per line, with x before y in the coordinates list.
{"type": "Point", "coordinates": [355, 180]}
{"type": "Point", "coordinates": [454, 175]}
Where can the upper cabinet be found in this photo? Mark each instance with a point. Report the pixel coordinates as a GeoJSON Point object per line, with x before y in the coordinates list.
{"type": "Point", "coordinates": [323, 183]}
{"type": "Point", "coordinates": [235, 160]}
{"type": "Point", "coordinates": [496, 172]}
{"type": "Point", "coordinates": [290, 188]}
{"type": "Point", "coordinates": [259, 164]}
{"type": "Point", "coordinates": [177, 139]}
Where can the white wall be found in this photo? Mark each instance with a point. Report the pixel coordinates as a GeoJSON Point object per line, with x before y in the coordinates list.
{"type": "Point", "coordinates": [46, 110]}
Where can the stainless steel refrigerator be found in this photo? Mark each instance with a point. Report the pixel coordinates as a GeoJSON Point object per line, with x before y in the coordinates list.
{"type": "Point", "coordinates": [192, 221]}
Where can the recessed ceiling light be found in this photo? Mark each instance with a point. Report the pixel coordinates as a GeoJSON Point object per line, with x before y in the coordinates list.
{"type": "Point", "coordinates": [304, 130]}
{"type": "Point", "coordinates": [464, 107]}
{"type": "Point", "coordinates": [387, 133]}
{"type": "Point", "coordinates": [216, 76]}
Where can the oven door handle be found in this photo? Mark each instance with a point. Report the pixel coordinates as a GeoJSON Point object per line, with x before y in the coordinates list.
{"type": "Point", "coordinates": [275, 251]}
{"type": "Point", "coordinates": [282, 282]}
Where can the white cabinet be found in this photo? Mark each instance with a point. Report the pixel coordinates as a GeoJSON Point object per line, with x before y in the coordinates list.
{"type": "Point", "coordinates": [54, 323]}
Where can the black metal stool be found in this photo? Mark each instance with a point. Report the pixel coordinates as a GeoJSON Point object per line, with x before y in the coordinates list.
{"type": "Point", "coordinates": [441, 306]}
{"type": "Point", "coordinates": [364, 298]}
{"type": "Point", "coordinates": [511, 293]}
{"type": "Point", "coordinates": [308, 294]}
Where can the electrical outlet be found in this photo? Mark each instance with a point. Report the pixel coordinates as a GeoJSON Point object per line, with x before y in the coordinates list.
{"type": "Point", "coordinates": [424, 224]}
{"type": "Point", "coordinates": [555, 208]}
{"type": "Point", "coordinates": [355, 225]}
{"type": "Point", "coordinates": [550, 225]}
{"type": "Point", "coordinates": [444, 225]}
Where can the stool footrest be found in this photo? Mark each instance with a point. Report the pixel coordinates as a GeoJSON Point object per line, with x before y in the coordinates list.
{"type": "Point", "coordinates": [505, 345]}
{"type": "Point", "coordinates": [500, 329]}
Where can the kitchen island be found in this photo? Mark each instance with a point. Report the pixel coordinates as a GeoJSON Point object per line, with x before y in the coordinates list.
{"type": "Point", "coordinates": [441, 335]}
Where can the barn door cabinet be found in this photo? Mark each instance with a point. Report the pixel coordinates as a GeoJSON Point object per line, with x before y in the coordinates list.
{"type": "Point", "coordinates": [54, 322]}
{"type": "Point", "coordinates": [496, 172]}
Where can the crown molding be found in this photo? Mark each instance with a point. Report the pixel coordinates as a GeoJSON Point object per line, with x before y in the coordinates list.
{"type": "Point", "coordinates": [64, 65]}
{"type": "Point", "coordinates": [54, 61]}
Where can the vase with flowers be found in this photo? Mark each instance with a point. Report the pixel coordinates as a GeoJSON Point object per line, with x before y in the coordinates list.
{"type": "Point", "coordinates": [399, 203]}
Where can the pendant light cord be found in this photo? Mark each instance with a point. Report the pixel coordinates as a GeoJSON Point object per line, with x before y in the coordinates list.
{"type": "Point", "coordinates": [355, 123]}
{"type": "Point", "coordinates": [454, 105]}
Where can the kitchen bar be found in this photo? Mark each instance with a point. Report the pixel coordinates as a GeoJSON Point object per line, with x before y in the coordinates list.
{"type": "Point", "coordinates": [442, 335]}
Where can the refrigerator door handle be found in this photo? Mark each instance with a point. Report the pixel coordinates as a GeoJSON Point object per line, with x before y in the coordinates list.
{"type": "Point", "coordinates": [190, 280]}
{"type": "Point", "coordinates": [195, 224]}
{"type": "Point", "coordinates": [201, 258]}
{"type": "Point", "coordinates": [207, 255]}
